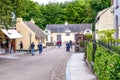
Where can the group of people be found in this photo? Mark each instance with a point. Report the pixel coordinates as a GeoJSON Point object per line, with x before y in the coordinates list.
{"type": "Point", "coordinates": [8, 46]}
{"type": "Point", "coordinates": [40, 46]}
{"type": "Point", "coordinates": [68, 44]}
{"type": "Point", "coordinates": [32, 46]}
{"type": "Point", "coordinates": [58, 43]}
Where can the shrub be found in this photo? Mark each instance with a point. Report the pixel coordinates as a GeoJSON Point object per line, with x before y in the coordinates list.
{"type": "Point", "coordinates": [89, 51]}
{"type": "Point", "coordinates": [88, 36]}
{"type": "Point", "coordinates": [107, 64]}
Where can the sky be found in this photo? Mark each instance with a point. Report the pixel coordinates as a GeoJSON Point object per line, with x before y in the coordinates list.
{"type": "Point", "coordinates": [47, 1]}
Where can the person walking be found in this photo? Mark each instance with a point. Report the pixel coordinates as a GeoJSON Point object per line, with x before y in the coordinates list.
{"type": "Point", "coordinates": [70, 44]}
{"type": "Point", "coordinates": [12, 47]}
{"type": "Point", "coordinates": [21, 46]}
{"type": "Point", "coordinates": [58, 44]}
{"type": "Point", "coordinates": [32, 48]}
{"type": "Point", "coordinates": [67, 46]}
{"type": "Point", "coordinates": [40, 47]}
{"type": "Point", "coordinates": [54, 43]}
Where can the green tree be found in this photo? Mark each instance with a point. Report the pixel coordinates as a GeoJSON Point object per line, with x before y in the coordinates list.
{"type": "Point", "coordinates": [53, 13]}
{"type": "Point", "coordinates": [98, 5]}
{"type": "Point", "coordinates": [7, 13]}
{"type": "Point", "coordinates": [28, 10]}
{"type": "Point", "coordinates": [76, 11]}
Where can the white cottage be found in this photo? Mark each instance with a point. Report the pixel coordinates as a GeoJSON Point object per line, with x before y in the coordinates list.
{"type": "Point", "coordinates": [65, 32]}
{"type": "Point", "coordinates": [104, 20]}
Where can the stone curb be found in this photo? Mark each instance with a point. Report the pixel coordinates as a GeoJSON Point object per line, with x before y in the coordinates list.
{"type": "Point", "coordinates": [68, 70]}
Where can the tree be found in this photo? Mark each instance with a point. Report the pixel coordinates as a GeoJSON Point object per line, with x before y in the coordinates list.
{"type": "Point", "coordinates": [53, 13]}
{"type": "Point", "coordinates": [76, 11]}
{"type": "Point", "coordinates": [98, 5]}
{"type": "Point", "coordinates": [7, 13]}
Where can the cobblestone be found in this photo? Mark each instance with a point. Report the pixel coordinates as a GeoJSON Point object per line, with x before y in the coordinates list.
{"type": "Point", "coordinates": [60, 71]}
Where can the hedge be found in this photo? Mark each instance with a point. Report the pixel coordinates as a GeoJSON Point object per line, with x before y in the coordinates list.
{"type": "Point", "coordinates": [107, 64]}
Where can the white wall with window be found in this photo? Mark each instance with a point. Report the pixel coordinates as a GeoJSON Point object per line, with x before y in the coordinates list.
{"type": "Point", "coordinates": [67, 33]}
{"type": "Point", "coordinates": [48, 35]}
{"type": "Point", "coordinates": [62, 37]}
{"type": "Point", "coordinates": [66, 38]}
{"type": "Point", "coordinates": [59, 37]}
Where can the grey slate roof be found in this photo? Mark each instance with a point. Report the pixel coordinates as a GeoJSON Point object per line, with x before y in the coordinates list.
{"type": "Point", "coordinates": [38, 32]}
{"type": "Point", "coordinates": [72, 27]}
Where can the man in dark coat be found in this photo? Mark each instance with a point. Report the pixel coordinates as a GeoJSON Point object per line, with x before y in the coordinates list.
{"type": "Point", "coordinates": [21, 46]}
{"type": "Point", "coordinates": [40, 47]}
{"type": "Point", "coordinates": [32, 48]}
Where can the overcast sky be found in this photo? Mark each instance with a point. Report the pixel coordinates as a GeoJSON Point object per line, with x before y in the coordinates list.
{"type": "Point", "coordinates": [46, 1]}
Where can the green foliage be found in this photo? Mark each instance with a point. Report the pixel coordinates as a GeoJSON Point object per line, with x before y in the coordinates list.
{"type": "Point", "coordinates": [28, 10]}
{"type": "Point", "coordinates": [89, 36]}
{"type": "Point", "coordinates": [98, 5]}
{"type": "Point", "coordinates": [89, 51]}
{"type": "Point", "coordinates": [81, 43]}
{"type": "Point", "coordinates": [57, 16]}
{"type": "Point", "coordinates": [118, 40]}
{"type": "Point", "coordinates": [7, 8]}
{"type": "Point", "coordinates": [107, 64]}
{"type": "Point", "coordinates": [107, 34]}
{"type": "Point", "coordinates": [76, 11]}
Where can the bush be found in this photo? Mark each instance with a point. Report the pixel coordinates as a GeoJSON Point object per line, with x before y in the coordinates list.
{"type": "Point", "coordinates": [89, 51]}
{"type": "Point", "coordinates": [81, 43]}
{"type": "Point", "coordinates": [107, 64]}
{"type": "Point", "coordinates": [89, 36]}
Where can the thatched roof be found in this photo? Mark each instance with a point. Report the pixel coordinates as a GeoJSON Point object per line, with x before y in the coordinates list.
{"type": "Point", "coordinates": [38, 31]}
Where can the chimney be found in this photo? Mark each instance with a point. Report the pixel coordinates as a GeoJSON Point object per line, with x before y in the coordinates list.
{"type": "Point", "coordinates": [19, 19]}
{"type": "Point", "coordinates": [66, 23]}
{"type": "Point", "coordinates": [32, 21]}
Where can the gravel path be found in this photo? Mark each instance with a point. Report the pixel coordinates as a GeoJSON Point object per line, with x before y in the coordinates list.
{"type": "Point", "coordinates": [60, 71]}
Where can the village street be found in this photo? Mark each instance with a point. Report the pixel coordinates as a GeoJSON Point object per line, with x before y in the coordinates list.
{"type": "Point", "coordinates": [39, 67]}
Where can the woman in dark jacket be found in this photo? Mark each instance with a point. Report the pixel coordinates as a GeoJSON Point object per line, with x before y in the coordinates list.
{"type": "Point", "coordinates": [67, 46]}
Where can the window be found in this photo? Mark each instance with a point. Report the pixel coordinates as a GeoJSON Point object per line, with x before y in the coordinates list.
{"type": "Point", "coordinates": [87, 31]}
{"type": "Point", "coordinates": [67, 34]}
{"type": "Point", "coordinates": [46, 37]}
{"type": "Point", "coordinates": [117, 28]}
{"type": "Point", "coordinates": [51, 39]}
{"type": "Point", "coordinates": [58, 37]}
{"type": "Point", "coordinates": [42, 40]}
{"type": "Point", "coordinates": [117, 21]}
{"type": "Point", "coordinates": [117, 4]}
